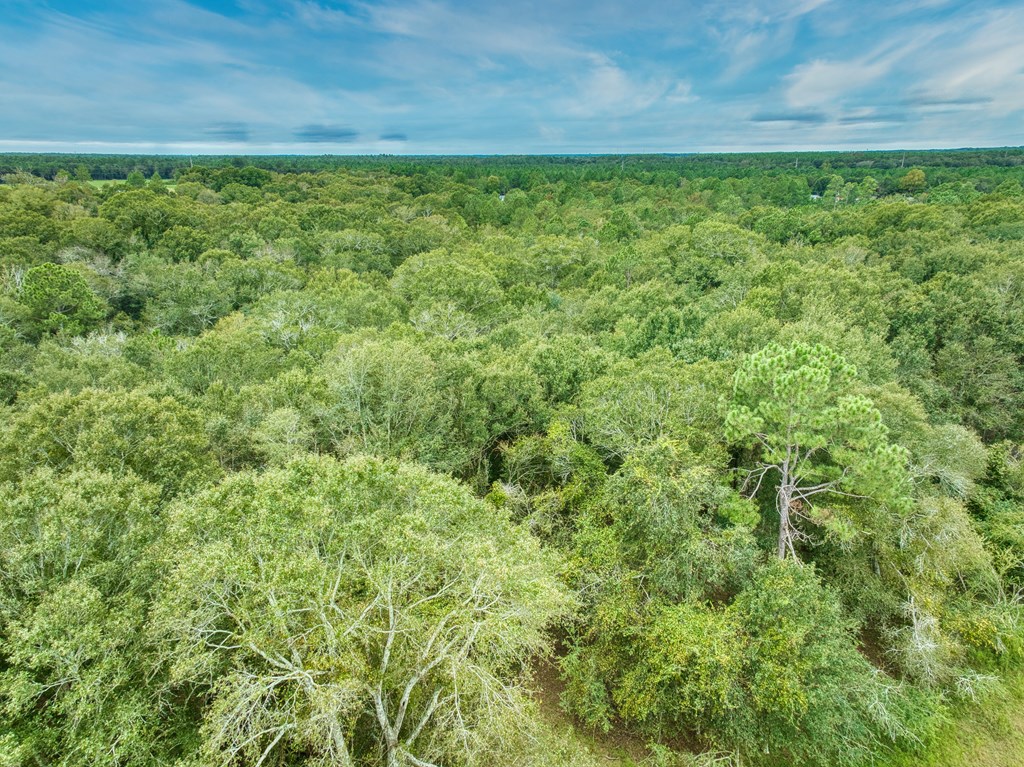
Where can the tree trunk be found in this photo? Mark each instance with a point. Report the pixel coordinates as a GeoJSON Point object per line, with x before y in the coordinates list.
{"type": "Point", "coordinates": [392, 753]}
{"type": "Point", "coordinates": [785, 533]}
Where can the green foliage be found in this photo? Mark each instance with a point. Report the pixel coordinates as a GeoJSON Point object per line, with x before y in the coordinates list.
{"type": "Point", "coordinates": [914, 180]}
{"type": "Point", "coordinates": [652, 397]}
{"type": "Point", "coordinates": [795, 408]}
{"type": "Point", "coordinates": [774, 676]}
{"type": "Point", "coordinates": [75, 573]}
{"type": "Point", "coordinates": [157, 439]}
{"type": "Point", "coordinates": [363, 610]}
{"type": "Point", "coordinates": [665, 373]}
{"type": "Point", "coordinates": [384, 397]}
{"type": "Point", "coordinates": [60, 301]}
{"type": "Point", "coordinates": [672, 523]}
{"type": "Point", "coordinates": [447, 294]}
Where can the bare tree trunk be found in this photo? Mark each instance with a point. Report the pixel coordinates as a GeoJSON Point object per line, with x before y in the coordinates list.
{"type": "Point", "coordinates": [785, 501]}
{"type": "Point", "coordinates": [783, 523]}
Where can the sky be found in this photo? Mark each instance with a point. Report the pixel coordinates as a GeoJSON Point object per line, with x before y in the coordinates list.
{"type": "Point", "coordinates": [508, 76]}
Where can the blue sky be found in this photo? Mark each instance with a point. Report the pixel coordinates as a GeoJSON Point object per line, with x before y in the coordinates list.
{"type": "Point", "coordinates": [508, 76]}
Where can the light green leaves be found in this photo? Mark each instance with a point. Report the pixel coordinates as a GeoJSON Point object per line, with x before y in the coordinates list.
{"type": "Point", "coordinates": [157, 439]}
{"type": "Point", "coordinates": [341, 608]}
{"type": "Point", "coordinates": [74, 574]}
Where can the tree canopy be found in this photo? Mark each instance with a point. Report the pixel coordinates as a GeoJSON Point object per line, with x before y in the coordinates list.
{"type": "Point", "coordinates": [407, 462]}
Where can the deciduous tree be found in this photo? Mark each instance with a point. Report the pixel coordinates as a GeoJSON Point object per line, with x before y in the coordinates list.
{"type": "Point", "coordinates": [365, 612]}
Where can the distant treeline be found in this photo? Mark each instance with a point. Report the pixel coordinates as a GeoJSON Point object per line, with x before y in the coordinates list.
{"type": "Point", "coordinates": [522, 171]}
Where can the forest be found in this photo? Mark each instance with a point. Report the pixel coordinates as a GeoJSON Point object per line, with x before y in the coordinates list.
{"type": "Point", "coordinates": [449, 462]}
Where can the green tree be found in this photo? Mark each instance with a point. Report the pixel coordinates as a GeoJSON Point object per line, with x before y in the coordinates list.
{"type": "Point", "coordinates": [364, 612]}
{"type": "Point", "coordinates": [714, 246]}
{"type": "Point", "coordinates": [774, 677]}
{"type": "Point", "coordinates": [75, 573]}
{"type": "Point", "coordinates": [835, 191]}
{"type": "Point", "coordinates": [811, 434]}
{"type": "Point", "coordinates": [653, 397]}
{"type": "Point", "coordinates": [913, 181]}
{"type": "Point", "coordinates": [155, 438]}
{"type": "Point", "coordinates": [448, 293]}
{"type": "Point", "coordinates": [60, 300]}
{"type": "Point", "coordinates": [384, 398]}
{"type": "Point", "coordinates": [867, 189]}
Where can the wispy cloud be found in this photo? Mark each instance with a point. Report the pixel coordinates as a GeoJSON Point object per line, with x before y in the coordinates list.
{"type": "Point", "coordinates": [825, 83]}
{"type": "Point", "coordinates": [608, 89]}
{"type": "Point", "coordinates": [487, 31]}
{"type": "Point", "coordinates": [510, 75]}
{"type": "Point", "coordinates": [316, 16]}
{"type": "Point", "coordinates": [985, 63]}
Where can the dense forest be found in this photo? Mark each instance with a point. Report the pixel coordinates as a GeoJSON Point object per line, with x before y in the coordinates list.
{"type": "Point", "coordinates": [320, 461]}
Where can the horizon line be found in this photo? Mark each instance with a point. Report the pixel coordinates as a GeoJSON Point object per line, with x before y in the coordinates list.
{"type": "Point", "coordinates": [470, 155]}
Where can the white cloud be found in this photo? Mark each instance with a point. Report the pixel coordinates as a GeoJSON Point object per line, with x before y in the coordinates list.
{"type": "Point", "coordinates": [319, 17]}
{"type": "Point", "coordinates": [987, 63]}
{"type": "Point", "coordinates": [951, 75]}
{"type": "Point", "coordinates": [824, 83]}
{"type": "Point", "coordinates": [750, 34]}
{"type": "Point", "coordinates": [476, 30]}
{"type": "Point", "coordinates": [681, 93]}
{"type": "Point", "coordinates": [803, 7]}
{"type": "Point", "coordinates": [515, 75]}
{"type": "Point", "coordinates": [551, 134]}
{"type": "Point", "coordinates": [607, 89]}
{"type": "Point", "coordinates": [86, 79]}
